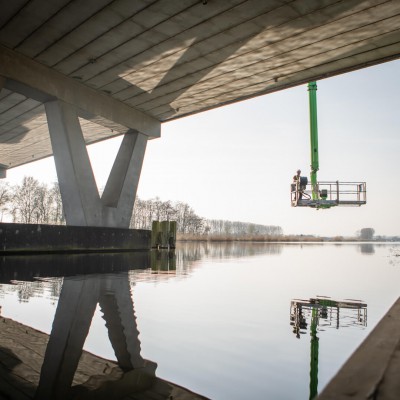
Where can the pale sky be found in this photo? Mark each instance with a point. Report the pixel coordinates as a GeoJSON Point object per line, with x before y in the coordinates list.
{"type": "Point", "coordinates": [237, 162]}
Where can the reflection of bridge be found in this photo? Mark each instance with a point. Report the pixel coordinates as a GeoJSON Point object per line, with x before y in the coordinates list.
{"type": "Point", "coordinates": [97, 378]}
{"type": "Point", "coordinates": [77, 72]}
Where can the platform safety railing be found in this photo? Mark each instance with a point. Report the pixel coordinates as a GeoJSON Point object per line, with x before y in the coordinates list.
{"type": "Point", "coordinates": [329, 194]}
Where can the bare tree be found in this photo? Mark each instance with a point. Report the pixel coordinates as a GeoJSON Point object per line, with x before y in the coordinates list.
{"type": "Point", "coordinates": [367, 233]}
{"type": "Point", "coordinates": [34, 202]}
{"type": "Point", "coordinates": [24, 200]}
{"type": "Point", "coordinates": [5, 197]}
{"type": "Point", "coordinates": [57, 216]}
{"type": "Point", "coordinates": [44, 203]}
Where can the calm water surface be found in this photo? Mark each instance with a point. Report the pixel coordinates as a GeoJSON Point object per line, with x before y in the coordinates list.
{"type": "Point", "coordinates": [215, 317]}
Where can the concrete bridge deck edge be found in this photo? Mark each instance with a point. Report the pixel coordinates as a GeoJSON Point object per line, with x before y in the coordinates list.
{"type": "Point", "coordinates": [372, 372]}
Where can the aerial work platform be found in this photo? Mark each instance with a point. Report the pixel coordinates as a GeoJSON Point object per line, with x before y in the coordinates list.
{"type": "Point", "coordinates": [318, 194]}
{"type": "Point", "coordinates": [328, 194]}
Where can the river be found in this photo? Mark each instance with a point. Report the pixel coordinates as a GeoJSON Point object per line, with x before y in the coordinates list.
{"type": "Point", "coordinates": [215, 318]}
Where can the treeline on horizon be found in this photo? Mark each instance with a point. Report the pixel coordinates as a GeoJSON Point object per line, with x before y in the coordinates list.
{"type": "Point", "coordinates": [190, 224]}
{"type": "Point", "coordinates": [33, 202]}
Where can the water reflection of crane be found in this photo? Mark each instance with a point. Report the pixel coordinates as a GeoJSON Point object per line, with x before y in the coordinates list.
{"type": "Point", "coordinates": [324, 312]}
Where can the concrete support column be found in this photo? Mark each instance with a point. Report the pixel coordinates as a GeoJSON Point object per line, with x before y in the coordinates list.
{"type": "Point", "coordinates": [81, 201]}
{"type": "Point", "coordinates": [119, 194]}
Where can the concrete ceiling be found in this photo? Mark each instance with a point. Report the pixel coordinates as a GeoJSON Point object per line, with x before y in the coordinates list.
{"type": "Point", "coordinates": [168, 59]}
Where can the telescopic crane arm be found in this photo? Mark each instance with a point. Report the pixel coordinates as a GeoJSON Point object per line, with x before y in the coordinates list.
{"type": "Point", "coordinates": [312, 95]}
{"type": "Point", "coordinates": [324, 194]}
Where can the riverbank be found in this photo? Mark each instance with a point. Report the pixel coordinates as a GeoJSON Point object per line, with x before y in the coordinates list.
{"type": "Point", "coordinates": [267, 238]}
{"type": "Point", "coordinates": [23, 349]}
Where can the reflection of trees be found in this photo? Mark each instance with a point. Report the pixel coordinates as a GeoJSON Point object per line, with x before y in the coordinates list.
{"type": "Point", "coordinates": [192, 251]}
{"type": "Point", "coordinates": [35, 365]}
{"type": "Point", "coordinates": [30, 281]}
{"type": "Point", "coordinates": [47, 288]}
{"type": "Point", "coordinates": [367, 248]}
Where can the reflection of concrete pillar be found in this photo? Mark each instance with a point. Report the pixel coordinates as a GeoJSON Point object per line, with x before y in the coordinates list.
{"type": "Point", "coordinates": [76, 306]}
{"type": "Point", "coordinates": [81, 200]}
{"type": "Point", "coordinates": [117, 307]}
{"type": "Point", "coordinates": [78, 188]}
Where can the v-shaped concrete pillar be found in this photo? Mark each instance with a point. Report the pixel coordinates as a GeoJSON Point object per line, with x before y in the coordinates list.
{"type": "Point", "coordinates": [82, 203]}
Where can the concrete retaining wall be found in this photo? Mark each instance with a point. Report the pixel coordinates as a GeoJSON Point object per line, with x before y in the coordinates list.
{"type": "Point", "coordinates": [32, 238]}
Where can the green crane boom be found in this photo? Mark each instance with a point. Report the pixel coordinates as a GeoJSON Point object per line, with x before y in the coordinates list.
{"type": "Point", "coordinates": [325, 194]}
{"type": "Point", "coordinates": [312, 94]}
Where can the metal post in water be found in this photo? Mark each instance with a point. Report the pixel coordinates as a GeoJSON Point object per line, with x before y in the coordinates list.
{"type": "Point", "coordinates": [337, 192]}
{"type": "Point", "coordinates": [312, 95]}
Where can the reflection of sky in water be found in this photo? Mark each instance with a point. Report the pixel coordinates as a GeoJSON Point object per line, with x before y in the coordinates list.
{"type": "Point", "coordinates": [219, 324]}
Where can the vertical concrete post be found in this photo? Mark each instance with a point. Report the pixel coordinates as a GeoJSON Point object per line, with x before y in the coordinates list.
{"type": "Point", "coordinates": [164, 228]}
{"type": "Point", "coordinates": [155, 234]}
{"type": "Point", "coordinates": [172, 234]}
{"type": "Point", "coordinates": [78, 188]}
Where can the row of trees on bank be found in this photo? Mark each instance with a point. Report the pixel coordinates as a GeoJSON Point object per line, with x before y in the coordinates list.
{"type": "Point", "coordinates": [33, 202]}
{"type": "Point", "coordinates": [236, 228]}
{"type": "Point", "coordinates": [188, 222]}
{"type": "Point", "coordinates": [146, 211]}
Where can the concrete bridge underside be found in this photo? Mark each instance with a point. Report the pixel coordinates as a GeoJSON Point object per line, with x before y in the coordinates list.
{"type": "Point", "coordinates": [75, 72]}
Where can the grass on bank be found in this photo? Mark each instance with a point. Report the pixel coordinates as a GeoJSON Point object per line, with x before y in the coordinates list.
{"type": "Point", "coordinates": [258, 238]}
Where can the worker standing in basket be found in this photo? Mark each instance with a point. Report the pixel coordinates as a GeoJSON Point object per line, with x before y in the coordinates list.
{"type": "Point", "coordinates": [297, 181]}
